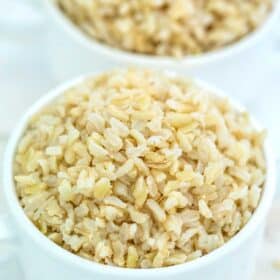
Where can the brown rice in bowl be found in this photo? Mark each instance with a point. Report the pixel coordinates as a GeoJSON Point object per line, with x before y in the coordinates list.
{"type": "Point", "coordinates": [167, 27]}
{"type": "Point", "coordinates": [136, 168]}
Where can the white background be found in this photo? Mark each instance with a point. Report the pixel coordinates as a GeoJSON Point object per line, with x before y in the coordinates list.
{"type": "Point", "coordinates": [25, 75]}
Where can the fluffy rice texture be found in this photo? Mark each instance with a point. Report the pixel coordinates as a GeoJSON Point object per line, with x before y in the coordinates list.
{"type": "Point", "coordinates": [167, 27]}
{"type": "Point", "coordinates": [135, 168]}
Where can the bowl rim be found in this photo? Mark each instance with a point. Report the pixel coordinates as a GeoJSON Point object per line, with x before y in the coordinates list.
{"type": "Point", "coordinates": [58, 253]}
{"type": "Point", "coordinates": [122, 56]}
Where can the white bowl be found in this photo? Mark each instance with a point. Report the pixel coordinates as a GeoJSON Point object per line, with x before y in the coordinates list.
{"type": "Point", "coordinates": [43, 259]}
{"type": "Point", "coordinates": [73, 52]}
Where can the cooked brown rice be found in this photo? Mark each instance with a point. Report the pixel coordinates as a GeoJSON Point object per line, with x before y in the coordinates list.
{"type": "Point", "coordinates": [134, 168]}
{"type": "Point", "coordinates": [167, 27]}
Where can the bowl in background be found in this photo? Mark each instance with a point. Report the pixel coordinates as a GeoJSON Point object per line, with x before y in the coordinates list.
{"type": "Point", "coordinates": [73, 52]}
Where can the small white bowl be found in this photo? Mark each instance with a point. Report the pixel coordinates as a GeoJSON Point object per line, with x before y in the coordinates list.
{"type": "Point", "coordinates": [74, 52]}
{"type": "Point", "coordinates": [43, 259]}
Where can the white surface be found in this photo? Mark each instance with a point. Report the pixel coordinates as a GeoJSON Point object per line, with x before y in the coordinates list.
{"type": "Point", "coordinates": [24, 70]}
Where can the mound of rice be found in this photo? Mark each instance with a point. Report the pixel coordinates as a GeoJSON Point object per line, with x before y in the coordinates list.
{"type": "Point", "coordinates": [138, 169]}
{"type": "Point", "coordinates": [167, 27]}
